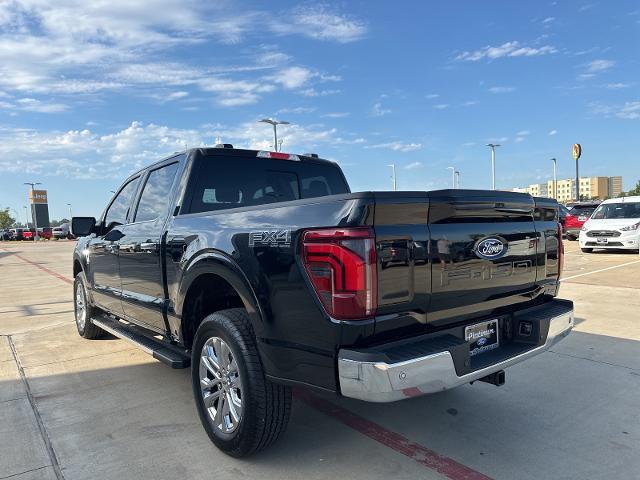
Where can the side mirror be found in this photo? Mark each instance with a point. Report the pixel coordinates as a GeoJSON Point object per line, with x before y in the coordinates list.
{"type": "Point", "coordinates": [83, 226]}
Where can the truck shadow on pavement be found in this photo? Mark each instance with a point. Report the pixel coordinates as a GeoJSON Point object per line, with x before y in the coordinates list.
{"type": "Point", "coordinates": [566, 413]}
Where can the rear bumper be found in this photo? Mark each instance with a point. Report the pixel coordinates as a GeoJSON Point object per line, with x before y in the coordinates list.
{"type": "Point", "coordinates": [381, 381]}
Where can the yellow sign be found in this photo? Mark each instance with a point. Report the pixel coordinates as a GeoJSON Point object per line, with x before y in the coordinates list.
{"type": "Point", "coordinates": [576, 150]}
{"type": "Point", "coordinates": [37, 196]}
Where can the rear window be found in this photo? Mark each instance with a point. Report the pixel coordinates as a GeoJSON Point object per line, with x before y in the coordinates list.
{"type": "Point", "coordinates": [221, 183]}
{"type": "Point", "coordinates": [582, 211]}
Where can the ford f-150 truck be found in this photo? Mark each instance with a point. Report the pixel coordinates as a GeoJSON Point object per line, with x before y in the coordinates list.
{"type": "Point", "coordinates": [262, 271]}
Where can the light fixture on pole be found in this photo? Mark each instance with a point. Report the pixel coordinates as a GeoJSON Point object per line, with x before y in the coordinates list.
{"type": "Point", "coordinates": [275, 124]}
{"type": "Point", "coordinates": [33, 210]}
{"type": "Point", "coordinates": [493, 147]}
{"type": "Point", "coordinates": [555, 178]}
{"type": "Point", "coordinates": [393, 175]}
{"type": "Point", "coordinates": [453, 176]}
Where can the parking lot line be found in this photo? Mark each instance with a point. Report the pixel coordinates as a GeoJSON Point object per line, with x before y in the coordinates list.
{"type": "Point", "coordinates": [600, 270]}
{"type": "Point", "coordinates": [422, 455]}
{"type": "Point", "coordinates": [42, 267]}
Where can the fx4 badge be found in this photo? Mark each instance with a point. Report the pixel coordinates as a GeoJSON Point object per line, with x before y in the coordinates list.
{"type": "Point", "coordinates": [490, 248]}
{"type": "Point", "coordinates": [270, 238]}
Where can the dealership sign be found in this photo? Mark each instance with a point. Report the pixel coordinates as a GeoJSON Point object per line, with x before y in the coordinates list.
{"type": "Point", "coordinates": [38, 196]}
{"type": "Point", "coordinates": [576, 150]}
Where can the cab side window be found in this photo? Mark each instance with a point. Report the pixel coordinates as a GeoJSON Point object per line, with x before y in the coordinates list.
{"type": "Point", "coordinates": [156, 195]}
{"type": "Point", "coordinates": [117, 212]}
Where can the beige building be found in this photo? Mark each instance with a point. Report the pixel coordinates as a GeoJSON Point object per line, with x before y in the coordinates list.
{"type": "Point", "coordinates": [590, 188]}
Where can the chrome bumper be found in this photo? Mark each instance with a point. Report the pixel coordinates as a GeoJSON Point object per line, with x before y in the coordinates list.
{"type": "Point", "coordinates": [385, 382]}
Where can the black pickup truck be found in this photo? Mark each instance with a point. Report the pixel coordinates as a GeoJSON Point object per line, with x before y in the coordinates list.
{"type": "Point", "coordinates": [261, 271]}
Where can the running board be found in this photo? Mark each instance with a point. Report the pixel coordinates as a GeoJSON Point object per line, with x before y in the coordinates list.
{"type": "Point", "coordinates": [165, 352]}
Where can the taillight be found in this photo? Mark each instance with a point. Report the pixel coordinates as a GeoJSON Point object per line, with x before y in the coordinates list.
{"type": "Point", "coordinates": [560, 251]}
{"type": "Point", "coordinates": [341, 264]}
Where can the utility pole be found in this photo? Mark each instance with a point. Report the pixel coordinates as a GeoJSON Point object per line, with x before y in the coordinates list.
{"type": "Point", "coordinates": [493, 163]}
{"type": "Point", "coordinates": [555, 178]}
{"type": "Point", "coordinates": [275, 124]}
{"type": "Point", "coordinates": [393, 176]}
{"type": "Point", "coordinates": [453, 176]}
{"type": "Point", "coordinates": [33, 210]}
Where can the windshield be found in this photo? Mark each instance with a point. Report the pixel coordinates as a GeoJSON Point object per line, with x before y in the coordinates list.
{"type": "Point", "coordinates": [581, 211]}
{"type": "Point", "coordinates": [617, 210]}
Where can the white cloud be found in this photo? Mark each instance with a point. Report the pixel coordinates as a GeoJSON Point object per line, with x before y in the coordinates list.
{"type": "Point", "coordinates": [312, 92]}
{"type": "Point", "coordinates": [336, 114]}
{"type": "Point", "coordinates": [617, 86]}
{"type": "Point", "coordinates": [322, 24]}
{"type": "Point", "coordinates": [508, 49]}
{"type": "Point", "coordinates": [87, 153]}
{"type": "Point", "coordinates": [292, 77]}
{"type": "Point", "coordinates": [398, 146]}
{"type": "Point", "coordinates": [74, 47]}
{"type": "Point", "coordinates": [296, 110]}
{"type": "Point", "coordinates": [413, 165]}
{"type": "Point", "coordinates": [441, 106]}
{"type": "Point", "coordinates": [523, 133]}
{"type": "Point", "coordinates": [553, 132]}
{"type": "Point", "coordinates": [600, 65]}
{"type": "Point", "coordinates": [548, 20]}
{"type": "Point", "coordinates": [502, 89]}
{"type": "Point", "coordinates": [379, 111]}
{"type": "Point", "coordinates": [33, 105]}
{"type": "Point", "coordinates": [431, 96]}
{"type": "Point", "coordinates": [629, 111]}
{"type": "Point", "coordinates": [470, 103]}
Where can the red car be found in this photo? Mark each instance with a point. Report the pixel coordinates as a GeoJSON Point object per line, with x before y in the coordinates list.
{"type": "Point", "coordinates": [578, 214]}
{"type": "Point", "coordinates": [45, 233]}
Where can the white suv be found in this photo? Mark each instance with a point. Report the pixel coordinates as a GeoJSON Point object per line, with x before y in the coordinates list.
{"type": "Point", "coordinates": [614, 224]}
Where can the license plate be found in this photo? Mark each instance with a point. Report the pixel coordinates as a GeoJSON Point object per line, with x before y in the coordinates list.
{"type": "Point", "coordinates": [582, 218]}
{"type": "Point", "coordinates": [602, 240]}
{"type": "Point", "coordinates": [482, 337]}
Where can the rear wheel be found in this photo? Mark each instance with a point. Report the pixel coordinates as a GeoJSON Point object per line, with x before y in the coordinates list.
{"type": "Point", "coordinates": [240, 409]}
{"type": "Point", "coordinates": [586, 250]}
{"type": "Point", "coordinates": [83, 310]}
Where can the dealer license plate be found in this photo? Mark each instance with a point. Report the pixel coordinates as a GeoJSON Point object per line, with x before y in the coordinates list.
{"type": "Point", "coordinates": [602, 240]}
{"type": "Point", "coordinates": [482, 337]}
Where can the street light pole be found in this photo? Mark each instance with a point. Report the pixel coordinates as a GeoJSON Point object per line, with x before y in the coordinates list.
{"type": "Point", "coordinates": [393, 173]}
{"type": "Point", "coordinates": [457, 184]}
{"type": "Point", "coordinates": [453, 175]}
{"type": "Point", "coordinates": [70, 214]}
{"type": "Point", "coordinates": [26, 216]}
{"type": "Point", "coordinates": [275, 124]}
{"type": "Point", "coordinates": [493, 163]}
{"type": "Point", "coordinates": [555, 178]}
{"type": "Point", "coordinates": [33, 211]}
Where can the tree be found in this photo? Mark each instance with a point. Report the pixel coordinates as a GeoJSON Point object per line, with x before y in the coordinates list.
{"type": "Point", "coordinates": [635, 190]}
{"type": "Point", "coordinates": [6, 220]}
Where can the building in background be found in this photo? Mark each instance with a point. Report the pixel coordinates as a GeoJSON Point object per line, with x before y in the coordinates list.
{"type": "Point", "coordinates": [594, 188]}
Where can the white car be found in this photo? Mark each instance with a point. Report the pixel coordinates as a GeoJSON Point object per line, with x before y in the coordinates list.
{"type": "Point", "coordinates": [615, 224]}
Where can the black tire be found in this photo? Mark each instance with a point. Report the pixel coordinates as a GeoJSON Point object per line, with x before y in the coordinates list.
{"type": "Point", "coordinates": [586, 250]}
{"type": "Point", "coordinates": [86, 328]}
{"type": "Point", "coordinates": [266, 406]}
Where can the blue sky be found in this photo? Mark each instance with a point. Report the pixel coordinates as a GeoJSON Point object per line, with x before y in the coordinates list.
{"type": "Point", "coordinates": [90, 91]}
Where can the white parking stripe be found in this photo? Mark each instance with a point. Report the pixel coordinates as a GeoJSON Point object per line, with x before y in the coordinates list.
{"type": "Point", "coordinates": [601, 270]}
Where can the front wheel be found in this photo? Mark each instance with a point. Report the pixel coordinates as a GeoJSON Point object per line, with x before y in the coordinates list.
{"type": "Point", "coordinates": [586, 250]}
{"type": "Point", "coordinates": [83, 310]}
{"type": "Point", "coordinates": [240, 409]}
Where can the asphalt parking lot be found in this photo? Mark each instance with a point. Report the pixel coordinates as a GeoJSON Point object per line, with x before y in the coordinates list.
{"type": "Point", "coordinates": [77, 409]}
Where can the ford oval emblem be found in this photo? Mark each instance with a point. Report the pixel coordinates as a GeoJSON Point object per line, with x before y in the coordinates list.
{"type": "Point", "coordinates": [490, 248]}
{"type": "Point", "coordinates": [482, 341]}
